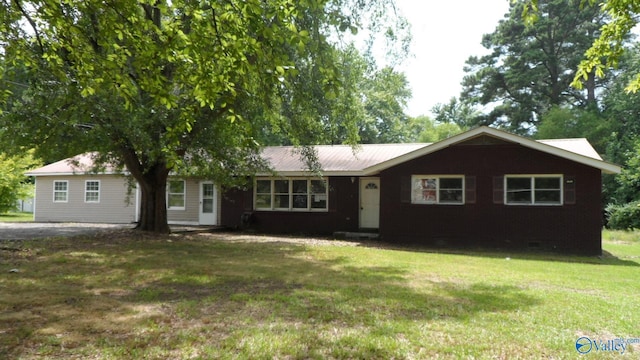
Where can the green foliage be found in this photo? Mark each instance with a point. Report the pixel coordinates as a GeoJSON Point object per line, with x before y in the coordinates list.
{"type": "Point", "coordinates": [624, 217]}
{"type": "Point", "coordinates": [628, 182]}
{"type": "Point", "coordinates": [456, 112]}
{"type": "Point", "coordinates": [608, 48]}
{"type": "Point", "coordinates": [621, 110]}
{"type": "Point", "coordinates": [531, 65]}
{"type": "Point", "coordinates": [562, 122]}
{"type": "Point", "coordinates": [369, 108]}
{"type": "Point", "coordinates": [14, 185]}
{"type": "Point", "coordinates": [176, 85]}
{"type": "Point", "coordinates": [386, 93]}
{"type": "Point", "coordinates": [427, 130]}
{"type": "Point", "coordinates": [621, 107]}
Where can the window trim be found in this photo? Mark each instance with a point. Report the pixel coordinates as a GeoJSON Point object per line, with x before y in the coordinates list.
{"type": "Point", "coordinates": [65, 191]}
{"type": "Point", "coordinates": [183, 193]}
{"type": "Point", "coordinates": [532, 178]}
{"type": "Point", "coordinates": [438, 177]}
{"type": "Point", "coordinates": [309, 193]}
{"type": "Point", "coordinates": [87, 191]}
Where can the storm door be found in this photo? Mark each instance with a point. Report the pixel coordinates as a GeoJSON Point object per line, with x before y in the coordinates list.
{"type": "Point", "coordinates": [207, 213]}
{"type": "Point", "coordinates": [369, 203]}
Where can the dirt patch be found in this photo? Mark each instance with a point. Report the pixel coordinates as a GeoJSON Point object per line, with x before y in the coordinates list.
{"type": "Point", "coordinates": [27, 231]}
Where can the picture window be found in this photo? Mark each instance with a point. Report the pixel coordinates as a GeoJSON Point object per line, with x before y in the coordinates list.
{"type": "Point", "coordinates": [437, 189]}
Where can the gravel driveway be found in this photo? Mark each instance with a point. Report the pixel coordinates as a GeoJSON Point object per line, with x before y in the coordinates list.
{"type": "Point", "coordinates": [23, 231]}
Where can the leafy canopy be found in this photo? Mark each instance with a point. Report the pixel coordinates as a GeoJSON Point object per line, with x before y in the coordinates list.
{"type": "Point", "coordinates": [607, 49]}
{"type": "Point", "coordinates": [180, 85]}
{"type": "Point", "coordinates": [531, 65]}
{"type": "Point", "coordinates": [14, 185]}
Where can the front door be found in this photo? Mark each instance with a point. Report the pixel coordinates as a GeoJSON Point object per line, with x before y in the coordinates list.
{"type": "Point", "coordinates": [369, 203]}
{"type": "Point", "coordinates": [208, 214]}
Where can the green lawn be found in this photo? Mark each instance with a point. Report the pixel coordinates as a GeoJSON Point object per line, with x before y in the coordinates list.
{"type": "Point", "coordinates": [124, 296]}
{"type": "Point", "coordinates": [16, 217]}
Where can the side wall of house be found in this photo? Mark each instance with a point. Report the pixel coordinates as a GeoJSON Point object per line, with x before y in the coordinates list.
{"type": "Point", "coordinates": [112, 206]}
{"type": "Point", "coordinates": [341, 215]}
{"type": "Point", "coordinates": [574, 226]}
{"type": "Point", "coordinates": [190, 212]}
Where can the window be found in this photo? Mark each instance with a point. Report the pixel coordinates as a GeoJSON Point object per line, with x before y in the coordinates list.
{"type": "Point", "coordinates": [176, 194]}
{"type": "Point", "coordinates": [437, 189]}
{"type": "Point", "coordinates": [533, 190]}
{"type": "Point", "coordinates": [60, 191]}
{"type": "Point", "coordinates": [318, 194]}
{"type": "Point", "coordinates": [92, 191]}
{"type": "Point", "coordinates": [294, 194]}
{"type": "Point", "coordinates": [263, 194]}
{"type": "Point", "coordinates": [281, 194]}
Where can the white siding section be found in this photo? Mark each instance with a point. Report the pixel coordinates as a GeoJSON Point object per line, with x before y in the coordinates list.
{"type": "Point", "coordinates": [112, 207]}
{"type": "Point", "coordinates": [191, 204]}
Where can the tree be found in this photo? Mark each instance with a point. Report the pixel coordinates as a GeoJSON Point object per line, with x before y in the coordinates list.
{"type": "Point", "coordinates": [161, 86]}
{"type": "Point", "coordinates": [559, 123]}
{"type": "Point", "coordinates": [456, 112]}
{"type": "Point", "coordinates": [426, 130]}
{"type": "Point", "coordinates": [370, 106]}
{"type": "Point", "coordinates": [608, 48]}
{"type": "Point", "coordinates": [622, 111]}
{"type": "Point", "coordinates": [386, 93]}
{"type": "Point", "coordinates": [531, 65]}
{"type": "Point", "coordinates": [14, 184]}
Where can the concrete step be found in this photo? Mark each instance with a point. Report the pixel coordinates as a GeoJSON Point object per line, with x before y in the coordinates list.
{"type": "Point", "coordinates": [349, 235]}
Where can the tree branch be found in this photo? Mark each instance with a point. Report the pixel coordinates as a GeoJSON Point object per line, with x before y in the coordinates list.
{"type": "Point", "coordinates": [32, 23]}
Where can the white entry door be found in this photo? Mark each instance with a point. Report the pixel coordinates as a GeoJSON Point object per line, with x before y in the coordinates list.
{"type": "Point", "coordinates": [369, 203]}
{"type": "Point", "coordinates": [208, 206]}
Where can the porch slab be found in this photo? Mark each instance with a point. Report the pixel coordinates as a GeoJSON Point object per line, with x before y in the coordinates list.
{"type": "Point", "coordinates": [349, 235]}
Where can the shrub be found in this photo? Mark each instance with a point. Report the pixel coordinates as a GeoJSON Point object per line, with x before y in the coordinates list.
{"type": "Point", "coordinates": [624, 217]}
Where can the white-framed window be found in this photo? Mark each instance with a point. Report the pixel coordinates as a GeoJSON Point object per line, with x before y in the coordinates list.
{"type": "Point", "coordinates": [437, 189]}
{"type": "Point", "coordinates": [533, 189]}
{"type": "Point", "coordinates": [60, 191]}
{"type": "Point", "coordinates": [92, 191]}
{"type": "Point", "coordinates": [176, 194]}
{"type": "Point", "coordinates": [291, 194]}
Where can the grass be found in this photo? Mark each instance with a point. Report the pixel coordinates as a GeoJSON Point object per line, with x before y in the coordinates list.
{"type": "Point", "coordinates": [126, 295]}
{"type": "Point", "coordinates": [16, 217]}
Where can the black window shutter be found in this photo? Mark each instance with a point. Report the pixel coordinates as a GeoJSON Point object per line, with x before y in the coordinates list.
{"type": "Point", "coordinates": [570, 190]}
{"type": "Point", "coordinates": [470, 189]}
{"type": "Point", "coordinates": [405, 189]}
{"type": "Point", "coordinates": [498, 189]}
{"type": "Point", "coordinates": [333, 198]}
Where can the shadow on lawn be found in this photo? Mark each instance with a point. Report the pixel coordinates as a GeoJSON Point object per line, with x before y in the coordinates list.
{"type": "Point", "coordinates": [606, 258]}
{"type": "Point", "coordinates": [121, 299]}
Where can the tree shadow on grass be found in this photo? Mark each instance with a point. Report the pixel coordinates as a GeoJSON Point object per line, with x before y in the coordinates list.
{"type": "Point", "coordinates": [606, 258]}
{"type": "Point", "coordinates": [158, 296]}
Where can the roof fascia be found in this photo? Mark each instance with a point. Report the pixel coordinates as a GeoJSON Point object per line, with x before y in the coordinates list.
{"type": "Point", "coordinates": [311, 174]}
{"type": "Point", "coordinates": [75, 173]}
{"type": "Point", "coordinates": [484, 130]}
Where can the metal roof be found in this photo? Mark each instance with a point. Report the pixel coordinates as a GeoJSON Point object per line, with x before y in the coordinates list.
{"type": "Point", "coordinates": [370, 159]}
{"type": "Point", "coordinates": [336, 159]}
{"type": "Point", "coordinates": [79, 164]}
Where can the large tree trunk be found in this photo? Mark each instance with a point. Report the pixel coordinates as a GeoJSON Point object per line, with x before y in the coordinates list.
{"type": "Point", "coordinates": [153, 202]}
{"type": "Point", "coordinates": [590, 85]}
{"type": "Point", "coordinates": [152, 181]}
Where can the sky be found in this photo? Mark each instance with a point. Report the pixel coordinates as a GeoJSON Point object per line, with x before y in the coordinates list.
{"type": "Point", "coordinates": [445, 34]}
